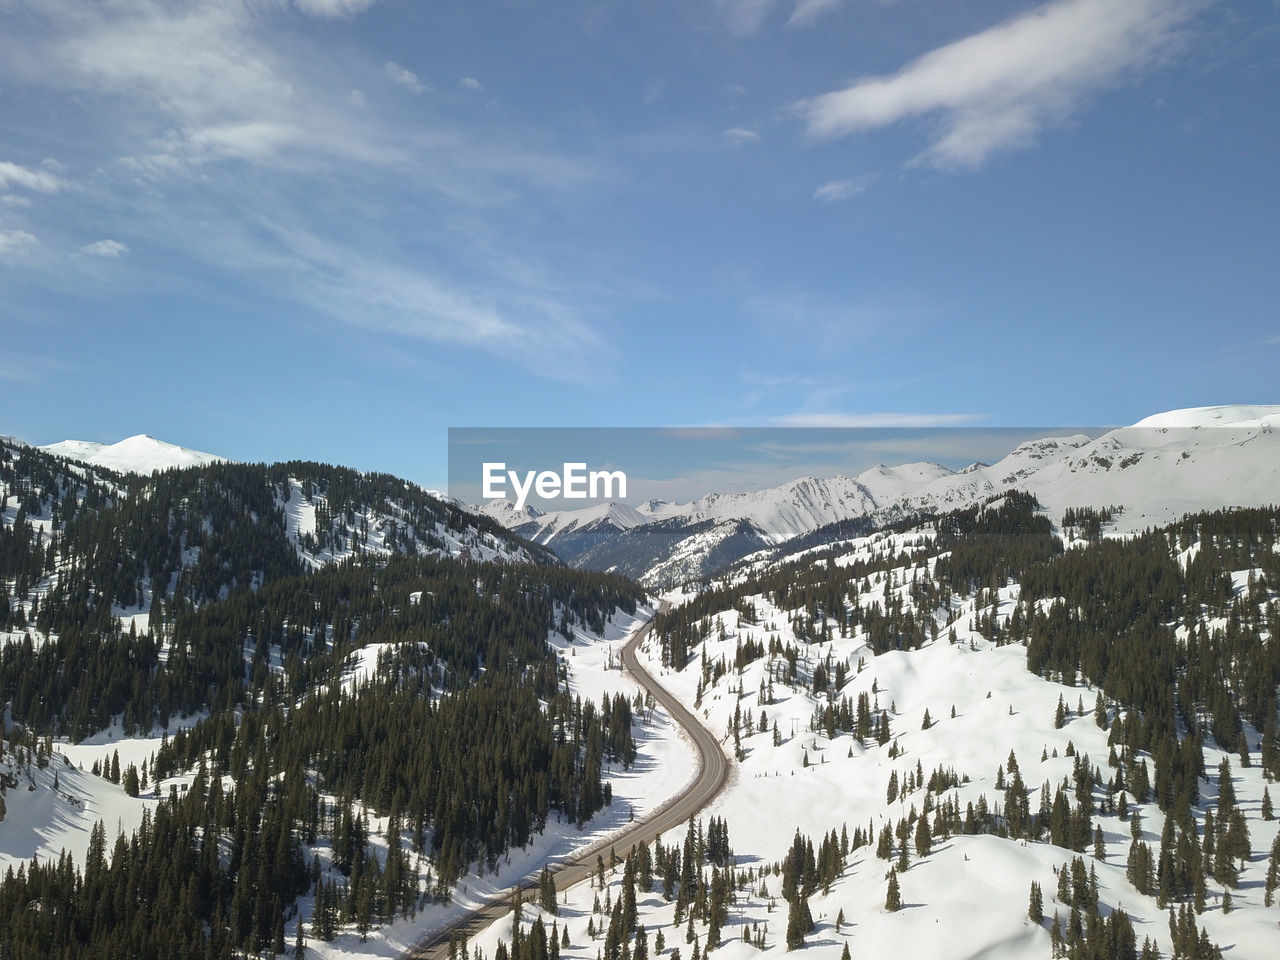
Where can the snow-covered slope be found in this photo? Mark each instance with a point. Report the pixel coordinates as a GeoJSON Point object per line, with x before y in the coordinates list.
{"type": "Point", "coordinates": [1157, 470]}
{"type": "Point", "coordinates": [503, 511]}
{"type": "Point", "coordinates": [963, 709]}
{"type": "Point", "coordinates": [803, 505]}
{"type": "Point", "coordinates": [546, 527]}
{"type": "Point", "coordinates": [1236, 415]}
{"type": "Point", "coordinates": [139, 454]}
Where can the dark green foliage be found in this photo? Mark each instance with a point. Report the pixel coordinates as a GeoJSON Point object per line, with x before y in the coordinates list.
{"type": "Point", "coordinates": [463, 734]}
{"type": "Point", "coordinates": [893, 896]}
{"type": "Point", "coordinates": [799, 922]}
{"type": "Point", "coordinates": [547, 891]}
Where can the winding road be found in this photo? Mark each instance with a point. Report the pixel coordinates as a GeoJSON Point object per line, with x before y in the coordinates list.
{"type": "Point", "coordinates": [713, 773]}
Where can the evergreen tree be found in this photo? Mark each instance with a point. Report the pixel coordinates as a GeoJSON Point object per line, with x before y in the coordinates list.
{"type": "Point", "coordinates": [893, 897]}
{"type": "Point", "coordinates": [547, 891]}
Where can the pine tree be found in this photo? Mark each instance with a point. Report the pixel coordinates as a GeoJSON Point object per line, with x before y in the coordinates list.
{"type": "Point", "coordinates": [1035, 906]}
{"type": "Point", "coordinates": [924, 840]}
{"type": "Point", "coordinates": [1273, 873]}
{"type": "Point", "coordinates": [547, 891]}
{"type": "Point", "coordinates": [893, 896]}
{"type": "Point", "coordinates": [796, 925]}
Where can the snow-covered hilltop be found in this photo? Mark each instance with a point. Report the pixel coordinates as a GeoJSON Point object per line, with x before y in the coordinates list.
{"type": "Point", "coordinates": [138, 454]}
{"type": "Point", "coordinates": [1155, 471]}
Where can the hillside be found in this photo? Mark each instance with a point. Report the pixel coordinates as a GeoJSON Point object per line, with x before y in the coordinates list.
{"type": "Point", "coordinates": [215, 678]}
{"type": "Point", "coordinates": [962, 710]}
{"type": "Point", "coordinates": [354, 709]}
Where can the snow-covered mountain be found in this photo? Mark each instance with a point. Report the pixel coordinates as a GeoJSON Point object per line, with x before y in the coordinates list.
{"type": "Point", "coordinates": [803, 505]}
{"type": "Point", "coordinates": [226, 524]}
{"type": "Point", "coordinates": [503, 511]}
{"type": "Point", "coordinates": [138, 454]}
{"type": "Point", "coordinates": [1155, 471]}
{"type": "Point", "coordinates": [558, 524]}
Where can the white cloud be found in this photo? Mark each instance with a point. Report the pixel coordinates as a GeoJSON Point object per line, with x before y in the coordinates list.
{"type": "Point", "coordinates": [808, 12]}
{"type": "Point", "coordinates": [876, 419]}
{"type": "Point", "coordinates": [996, 90]}
{"type": "Point", "coordinates": [741, 135]}
{"type": "Point", "coordinates": [518, 320]}
{"type": "Point", "coordinates": [41, 181]}
{"type": "Point", "coordinates": [331, 9]}
{"type": "Point", "coordinates": [833, 191]}
{"type": "Point", "coordinates": [471, 83]}
{"type": "Point", "coordinates": [218, 135]}
{"type": "Point", "coordinates": [107, 249]}
{"type": "Point", "coordinates": [13, 241]}
{"type": "Point", "coordinates": [402, 77]}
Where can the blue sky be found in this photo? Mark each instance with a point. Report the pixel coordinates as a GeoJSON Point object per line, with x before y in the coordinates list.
{"type": "Point", "coordinates": [334, 228]}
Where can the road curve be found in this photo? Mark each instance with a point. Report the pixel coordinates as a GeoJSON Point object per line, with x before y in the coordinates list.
{"type": "Point", "coordinates": [713, 773]}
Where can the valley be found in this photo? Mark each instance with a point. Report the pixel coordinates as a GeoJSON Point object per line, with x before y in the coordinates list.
{"type": "Point", "coordinates": [975, 721]}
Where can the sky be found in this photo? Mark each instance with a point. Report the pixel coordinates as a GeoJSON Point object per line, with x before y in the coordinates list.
{"type": "Point", "coordinates": [333, 229]}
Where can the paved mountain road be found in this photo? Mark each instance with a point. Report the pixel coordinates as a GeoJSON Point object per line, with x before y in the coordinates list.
{"type": "Point", "coordinates": [713, 773]}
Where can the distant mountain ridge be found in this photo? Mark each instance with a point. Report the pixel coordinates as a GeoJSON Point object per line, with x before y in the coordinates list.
{"type": "Point", "coordinates": [1157, 470]}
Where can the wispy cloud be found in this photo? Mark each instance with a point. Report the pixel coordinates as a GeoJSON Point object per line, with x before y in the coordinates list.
{"type": "Point", "coordinates": [808, 12]}
{"type": "Point", "coordinates": [998, 89]}
{"type": "Point", "coordinates": [747, 16]}
{"type": "Point", "coordinates": [41, 181]}
{"type": "Point", "coordinates": [403, 77]}
{"type": "Point", "coordinates": [107, 249]}
{"type": "Point", "coordinates": [862, 420]}
{"type": "Point", "coordinates": [213, 136]}
{"type": "Point", "coordinates": [333, 9]}
{"type": "Point", "coordinates": [833, 191]}
{"type": "Point", "coordinates": [471, 83]}
{"type": "Point", "coordinates": [13, 242]}
{"type": "Point", "coordinates": [739, 136]}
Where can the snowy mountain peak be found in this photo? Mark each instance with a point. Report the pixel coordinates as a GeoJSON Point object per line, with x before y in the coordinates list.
{"type": "Point", "coordinates": [1234, 415]}
{"type": "Point", "coordinates": [138, 454]}
{"type": "Point", "coordinates": [506, 512]}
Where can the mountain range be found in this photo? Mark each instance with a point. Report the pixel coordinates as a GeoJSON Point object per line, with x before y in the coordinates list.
{"type": "Point", "coordinates": [1150, 473]}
